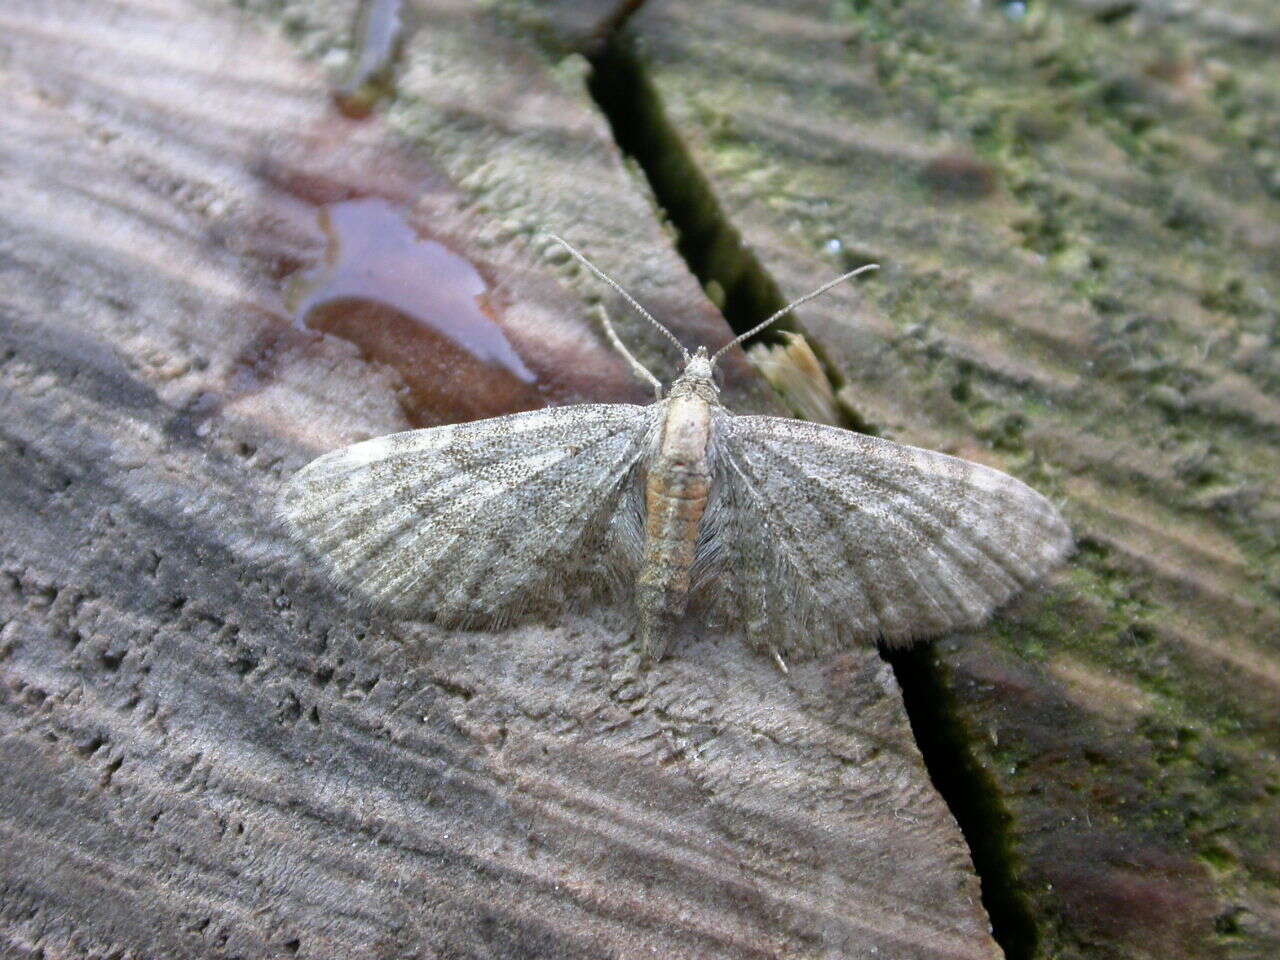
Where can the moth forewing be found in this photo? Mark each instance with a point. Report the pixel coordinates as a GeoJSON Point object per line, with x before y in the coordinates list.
{"type": "Point", "coordinates": [478, 522]}
{"type": "Point", "coordinates": [877, 540]}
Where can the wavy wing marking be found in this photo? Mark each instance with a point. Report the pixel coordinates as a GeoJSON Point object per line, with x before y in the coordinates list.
{"type": "Point", "coordinates": [478, 522]}
{"type": "Point", "coordinates": [818, 537]}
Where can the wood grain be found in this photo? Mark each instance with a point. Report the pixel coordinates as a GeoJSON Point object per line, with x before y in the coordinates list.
{"type": "Point", "coordinates": [206, 752]}
{"type": "Point", "coordinates": [1077, 214]}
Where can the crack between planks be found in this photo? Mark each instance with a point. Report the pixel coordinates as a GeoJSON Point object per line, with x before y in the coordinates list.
{"type": "Point", "coordinates": [946, 743]}
{"type": "Point", "coordinates": [706, 240]}
{"type": "Point", "coordinates": [715, 253]}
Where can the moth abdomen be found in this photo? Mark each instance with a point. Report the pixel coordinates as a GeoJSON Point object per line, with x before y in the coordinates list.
{"type": "Point", "coordinates": [676, 491]}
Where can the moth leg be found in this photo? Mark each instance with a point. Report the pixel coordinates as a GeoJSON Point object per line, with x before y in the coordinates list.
{"type": "Point", "coordinates": [655, 636]}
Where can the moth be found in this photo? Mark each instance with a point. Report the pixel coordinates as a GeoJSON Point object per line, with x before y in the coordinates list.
{"type": "Point", "coordinates": [798, 536]}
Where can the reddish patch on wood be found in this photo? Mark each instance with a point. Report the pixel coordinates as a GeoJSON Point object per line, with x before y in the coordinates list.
{"type": "Point", "coordinates": [349, 244]}
{"type": "Point", "coordinates": [1117, 891]}
{"type": "Point", "coordinates": [960, 175]}
{"type": "Point", "coordinates": [417, 306]}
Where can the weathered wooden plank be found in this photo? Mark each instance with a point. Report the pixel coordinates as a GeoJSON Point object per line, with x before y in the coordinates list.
{"type": "Point", "coordinates": [1077, 208]}
{"type": "Point", "coordinates": [208, 753]}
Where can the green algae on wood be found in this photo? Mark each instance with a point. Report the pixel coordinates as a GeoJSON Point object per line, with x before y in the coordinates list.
{"type": "Point", "coordinates": [1097, 320]}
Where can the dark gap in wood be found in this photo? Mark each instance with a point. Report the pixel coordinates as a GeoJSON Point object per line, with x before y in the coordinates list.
{"type": "Point", "coordinates": [970, 793]}
{"type": "Point", "coordinates": [706, 239]}
{"type": "Point", "coordinates": [714, 251]}
{"type": "Point", "coordinates": [611, 25]}
{"type": "Point", "coordinates": [1116, 13]}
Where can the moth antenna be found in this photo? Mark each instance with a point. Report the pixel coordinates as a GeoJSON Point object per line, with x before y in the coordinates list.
{"type": "Point", "coordinates": [791, 306]}
{"type": "Point", "coordinates": [608, 325]}
{"type": "Point", "coordinates": [637, 367]}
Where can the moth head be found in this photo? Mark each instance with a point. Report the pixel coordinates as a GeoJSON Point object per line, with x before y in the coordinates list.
{"type": "Point", "coordinates": [697, 377]}
{"type": "Point", "coordinates": [699, 366]}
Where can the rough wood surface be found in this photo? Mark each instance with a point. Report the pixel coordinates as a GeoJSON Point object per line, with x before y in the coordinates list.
{"type": "Point", "coordinates": [1078, 209]}
{"type": "Point", "coordinates": [205, 752]}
